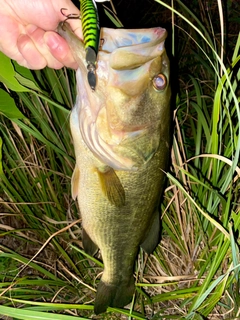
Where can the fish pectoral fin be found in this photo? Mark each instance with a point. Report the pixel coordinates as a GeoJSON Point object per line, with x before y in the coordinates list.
{"type": "Point", "coordinates": [75, 182]}
{"type": "Point", "coordinates": [112, 186]}
{"type": "Point", "coordinates": [88, 245]}
{"type": "Point", "coordinates": [152, 238]}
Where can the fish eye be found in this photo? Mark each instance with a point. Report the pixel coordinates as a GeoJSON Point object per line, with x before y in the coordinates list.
{"type": "Point", "coordinates": [159, 82]}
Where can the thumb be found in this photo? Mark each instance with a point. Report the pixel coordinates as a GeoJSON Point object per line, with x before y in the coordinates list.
{"type": "Point", "coordinates": [59, 48]}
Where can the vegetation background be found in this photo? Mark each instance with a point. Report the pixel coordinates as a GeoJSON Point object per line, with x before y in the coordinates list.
{"type": "Point", "coordinates": [194, 272]}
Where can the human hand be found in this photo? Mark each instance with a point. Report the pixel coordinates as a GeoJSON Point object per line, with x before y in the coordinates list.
{"type": "Point", "coordinates": [28, 36]}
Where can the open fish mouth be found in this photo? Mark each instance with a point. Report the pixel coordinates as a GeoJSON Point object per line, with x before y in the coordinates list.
{"type": "Point", "coordinates": [116, 113]}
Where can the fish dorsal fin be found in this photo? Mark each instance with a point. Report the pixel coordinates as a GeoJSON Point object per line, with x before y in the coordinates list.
{"type": "Point", "coordinates": [75, 182]}
{"type": "Point", "coordinates": [112, 186]}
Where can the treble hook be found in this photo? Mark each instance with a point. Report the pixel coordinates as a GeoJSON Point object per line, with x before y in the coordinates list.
{"type": "Point", "coordinates": [70, 15]}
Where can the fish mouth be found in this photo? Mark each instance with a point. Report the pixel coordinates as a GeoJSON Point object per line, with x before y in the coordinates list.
{"type": "Point", "coordinates": [129, 49]}
{"type": "Point", "coordinates": [113, 39]}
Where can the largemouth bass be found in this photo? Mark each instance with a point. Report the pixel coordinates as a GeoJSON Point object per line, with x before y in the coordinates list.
{"type": "Point", "coordinates": [121, 135]}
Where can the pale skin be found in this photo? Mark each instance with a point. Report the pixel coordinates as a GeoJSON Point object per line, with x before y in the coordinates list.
{"type": "Point", "coordinates": [27, 29]}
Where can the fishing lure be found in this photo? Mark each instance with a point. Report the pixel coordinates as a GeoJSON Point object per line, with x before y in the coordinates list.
{"type": "Point", "coordinates": [91, 32]}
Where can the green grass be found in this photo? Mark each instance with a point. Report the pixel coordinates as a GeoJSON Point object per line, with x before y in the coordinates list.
{"type": "Point", "coordinates": [194, 272]}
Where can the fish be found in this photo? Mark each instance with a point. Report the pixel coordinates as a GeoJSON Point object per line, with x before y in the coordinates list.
{"type": "Point", "coordinates": [122, 137]}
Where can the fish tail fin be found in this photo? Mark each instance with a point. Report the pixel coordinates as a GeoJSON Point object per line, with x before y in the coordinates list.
{"type": "Point", "coordinates": [109, 295]}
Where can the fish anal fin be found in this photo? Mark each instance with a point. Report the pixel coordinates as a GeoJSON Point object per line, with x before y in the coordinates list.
{"type": "Point", "coordinates": [117, 296]}
{"type": "Point", "coordinates": [89, 246]}
{"type": "Point", "coordinates": [153, 236]}
{"type": "Point", "coordinates": [75, 182]}
{"type": "Point", "coordinates": [112, 187]}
